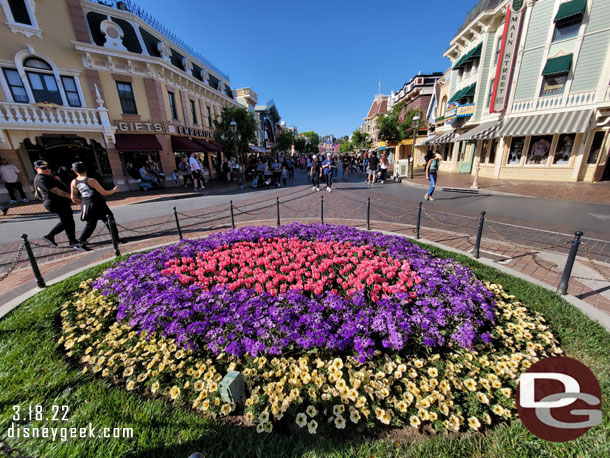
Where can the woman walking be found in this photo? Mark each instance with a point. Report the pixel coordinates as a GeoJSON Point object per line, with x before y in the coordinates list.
{"type": "Point", "coordinates": [383, 164]}
{"type": "Point", "coordinates": [431, 174]}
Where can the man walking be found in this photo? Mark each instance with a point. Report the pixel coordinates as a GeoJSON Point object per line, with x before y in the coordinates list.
{"type": "Point", "coordinates": [55, 199]}
{"type": "Point", "coordinates": [371, 170]}
{"type": "Point", "coordinates": [315, 172]}
{"type": "Point", "coordinates": [195, 172]}
{"type": "Point", "coordinates": [10, 176]}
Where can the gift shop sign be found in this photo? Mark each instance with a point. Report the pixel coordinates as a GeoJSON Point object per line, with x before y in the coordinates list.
{"type": "Point", "coordinates": [508, 51]}
{"type": "Point", "coordinates": [150, 127]}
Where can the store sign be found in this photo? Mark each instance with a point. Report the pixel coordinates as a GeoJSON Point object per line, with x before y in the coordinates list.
{"type": "Point", "coordinates": [130, 127]}
{"type": "Point", "coordinates": [508, 51]}
{"type": "Point", "coordinates": [188, 131]}
{"type": "Point", "coordinates": [451, 112]}
{"type": "Point", "coordinates": [464, 111]}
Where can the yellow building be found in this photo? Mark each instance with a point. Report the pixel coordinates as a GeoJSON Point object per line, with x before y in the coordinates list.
{"type": "Point", "coordinates": [106, 85]}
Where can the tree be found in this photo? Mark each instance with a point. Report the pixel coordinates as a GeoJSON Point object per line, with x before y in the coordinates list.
{"type": "Point", "coordinates": [345, 147]}
{"type": "Point", "coordinates": [284, 140]}
{"type": "Point", "coordinates": [344, 139]}
{"type": "Point", "coordinates": [299, 144]}
{"type": "Point", "coordinates": [314, 138]}
{"type": "Point", "coordinates": [361, 140]}
{"type": "Point", "coordinates": [388, 127]}
{"type": "Point", "coordinates": [246, 132]}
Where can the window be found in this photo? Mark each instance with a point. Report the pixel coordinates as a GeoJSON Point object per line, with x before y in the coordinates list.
{"type": "Point", "coordinates": [193, 112]}
{"type": "Point", "coordinates": [128, 101]}
{"type": "Point", "coordinates": [516, 150]}
{"type": "Point", "coordinates": [564, 149]}
{"type": "Point", "coordinates": [33, 62]}
{"type": "Point", "coordinates": [44, 87]}
{"type": "Point", "coordinates": [490, 92]}
{"type": "Point", "coordinates": [596, 147]}
{"type": "Point", "coordinates": [71, 91]}
{"type": "Point", "coordinates": [209, 117]}
{"type": "Point", "coordinates": [20, 12]}
{"type": "Point", "coordinates": [567, 28]}
{"type": "Point", "coordinates": [540, 147]}
{"type": "Point", "coordinates": [16, 86]}
{"type": "Point", "coordinates": [492, 151]}
{"type": "Point", "coordinates": [498, 47]}
{"type": "Point", "coordinates": [484, 148]}
{"type": "Point", "coordinates": [553, 85]}
{"type": "Point", "coordinates": [172, 105]}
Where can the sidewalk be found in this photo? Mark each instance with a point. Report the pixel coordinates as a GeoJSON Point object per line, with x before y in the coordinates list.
{"type": "Point", "coordinates": [502, 244]}
{"type": "Point", "coordinates": [578, 192]}
{"type": "Point", "coordinates": [132, 197]}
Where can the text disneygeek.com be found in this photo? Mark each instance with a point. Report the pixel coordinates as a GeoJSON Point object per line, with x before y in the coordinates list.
{"type": "Point", "coordinates": [63, 433]}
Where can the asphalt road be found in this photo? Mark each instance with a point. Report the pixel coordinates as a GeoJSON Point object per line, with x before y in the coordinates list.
{"type": "Point", "coordinates": [551, 215]}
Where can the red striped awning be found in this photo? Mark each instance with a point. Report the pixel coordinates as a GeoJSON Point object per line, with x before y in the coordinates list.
{"type": "Point", "coordinates": [137, 142]}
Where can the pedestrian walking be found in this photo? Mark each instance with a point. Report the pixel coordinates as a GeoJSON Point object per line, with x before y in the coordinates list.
{"type": "Point", "coordinates": [195, 172]}
{"type": "Point", "coordinates": [10, 175]}
{"type": "Point", "coordinates": [55, 199]}
{"type": "Point", "coordinates": [345, 165]}
{"type": "Point", "coordinates": [92, 202]}
{"type": "Point", "coordinates": [284, 176]}
{"type": "Point", "coordinates": [185, 171]}
{"type": "Point", "coordinates": [431, 174]}
{"type": "Point", "coordinates": [371, 169]}
{"type": "Point", "coordinates": [329, 166]}
{"type": "Point", "coordinates": [309, 164]}
{"type": "Point", "coordinates": [383, 165]}
{"type": "Point", "coordinates": [315, 172]}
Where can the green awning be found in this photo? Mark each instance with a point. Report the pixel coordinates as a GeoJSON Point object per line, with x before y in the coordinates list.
{"type": "Point", "coordinates": [570, 9]}
{"type": "Point", "coordinates": [558, 65]}
{"type": "Point", "coordinates": [476, 52]}
{"type": "Point", "coordinates": [470, 91]}
{"type": "Point", "coordinates": [456, 96]}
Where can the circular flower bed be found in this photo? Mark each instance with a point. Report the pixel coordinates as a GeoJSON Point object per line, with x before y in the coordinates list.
{"type": "Point", "coordinates": [331, 327]}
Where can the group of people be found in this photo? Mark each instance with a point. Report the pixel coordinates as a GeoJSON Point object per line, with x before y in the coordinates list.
{"type": "Point", "coordinates": [268, 172]}
{"type": "Point", "coordinates": [57, 198]}
{"type": "Point", "coordinates": [323, 168]}
{"type": "Point", "coordinates": [191, 169]}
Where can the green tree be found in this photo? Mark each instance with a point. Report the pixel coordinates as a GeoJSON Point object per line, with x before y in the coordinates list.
{"type": "Point", "coordinates": [284, 140]}
{"type": "Point", "coordinates": [299, 144]}
{"type": "Point", "coordinates": [345, 147]}
{"type": "Point", "coordinates": [314, 138]}
{"type": "Point", "coordinates": [361, 140]}
{"type": "Point", "coordinates": [239, 142]}
{"type": "Point", "coordinates": [388, 127]}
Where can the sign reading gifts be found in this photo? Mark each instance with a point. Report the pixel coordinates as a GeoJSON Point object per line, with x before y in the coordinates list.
{"type": "Point", "coordinates": [508, 51]}
{"type": "Point", "coordinates": [149, 127]}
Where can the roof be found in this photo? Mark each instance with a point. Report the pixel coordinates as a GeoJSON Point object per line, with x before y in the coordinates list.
{"type": "Point", "coordinates": [481, 6]}
{"type": "Point", "coordinates": [379, 106]}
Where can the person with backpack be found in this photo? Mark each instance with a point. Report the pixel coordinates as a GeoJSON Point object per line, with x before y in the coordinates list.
{"type": "Point", "coordinates": [93, 204]}
{"type": "Point", "coordinates": [431, 174]}
{"type": "Point", "coordinates": [184, 169]}
{"type": "Point", "coordinates": [55, 199]}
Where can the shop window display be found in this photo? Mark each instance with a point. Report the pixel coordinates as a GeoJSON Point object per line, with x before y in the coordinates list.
{"type": "Point", "coordinates": [596, 147]}
{"type": "Point", "coordinates": [564, 149]}
{"type": "Point", "coordinates": [492, 152]}
{"type": "Point", "coordinates": [516, 151]}
{"type": "Point", "coordinates": [540, 147]}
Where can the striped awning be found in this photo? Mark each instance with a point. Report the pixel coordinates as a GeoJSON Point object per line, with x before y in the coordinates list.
{"type": "Point", "coordinates": [570, 122]}
{"type": "Point", "coordinates": [447, 137]}
{"type": "Point", "coordinates": [483, 132]}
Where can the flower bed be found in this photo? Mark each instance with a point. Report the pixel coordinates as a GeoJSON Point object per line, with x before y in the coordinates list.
{"type": "Point", "coordinates": [330, 326]}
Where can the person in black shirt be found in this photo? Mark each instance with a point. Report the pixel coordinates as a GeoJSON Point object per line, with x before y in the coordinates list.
{"type": "Point", "coordinates": [93, 205]}
{"type": "Point", "coordinates": [372, 168]}
{"type": "Point", "coordinates": [55, 199]}
{"type": "Point", "coordinates": [316, 172]}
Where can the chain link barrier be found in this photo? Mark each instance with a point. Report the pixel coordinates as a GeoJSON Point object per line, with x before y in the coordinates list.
{"type": "Point", "coordinates": [138, 230]}
{"type": "Point", "coordinates": [593, 265]}
{"type": "Point", "coordinates": [516, 245]}
{"type": "Point", "coordinates": [13, 264]}
{"type": "Point", "coordinates": [469, 224]}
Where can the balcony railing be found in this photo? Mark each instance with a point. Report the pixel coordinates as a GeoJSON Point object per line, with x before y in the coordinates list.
{"type": "Point", "coordinates": [555, 101]}
{"type": "Point", "coordinates": [19, 115]}
{"type": "Point", "coordinates": [131, 7]}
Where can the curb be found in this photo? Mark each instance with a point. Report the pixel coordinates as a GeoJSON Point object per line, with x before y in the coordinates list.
{"type": "Point", "coordinates": [481, 190]}
{"type": "Point", "coordinates": [593, 313]}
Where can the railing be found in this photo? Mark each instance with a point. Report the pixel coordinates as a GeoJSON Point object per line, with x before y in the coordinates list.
{"type": "Point", "coordinates": [26, 115]}
{"type": "Point", "coordinates": [131, 7]}
{"type": "Point", "coordinates": [555, 101]}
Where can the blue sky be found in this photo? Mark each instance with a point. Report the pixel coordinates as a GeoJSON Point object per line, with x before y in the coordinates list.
{"type": "Point", "coordinates": [320, 61]}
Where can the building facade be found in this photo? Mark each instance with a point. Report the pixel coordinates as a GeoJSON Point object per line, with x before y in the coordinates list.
{"type": "Point", "coordinates": [104, 83]}
{"type": "Point", "coordinates": [529, 94]}
{"type": "Point", "coordinates": [378, 108]}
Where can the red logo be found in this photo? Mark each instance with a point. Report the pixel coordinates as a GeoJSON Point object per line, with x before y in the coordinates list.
{"type": "Point", "coordinates": [559, 399]}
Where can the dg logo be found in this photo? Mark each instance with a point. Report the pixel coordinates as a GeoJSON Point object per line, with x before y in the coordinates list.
{"type": "Point", "coordinates": [559, 399]}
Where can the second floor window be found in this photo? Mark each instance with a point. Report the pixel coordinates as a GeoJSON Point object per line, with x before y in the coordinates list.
{"type": "Point", "coordinates": [20, 12]}
{"type": "Point", "coordinates": [498, 47]}
{"type": "Point", "coordinates": [193, 112]}
{"type": "Point", "coordinates": [71, 91]}
{"type": "Point", "coordinates": [128, 101]}
{"type": "Point", "coordinates": [172, 105]}
{"type": "Point", "coordinates": [567, 28]}
{"type": "Point", "coordinates": [553, 85]}
{"type": "Point", "coordinates": [16, 86]}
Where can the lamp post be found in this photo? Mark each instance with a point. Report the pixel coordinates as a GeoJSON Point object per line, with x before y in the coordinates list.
{"type": "Point", "coordinates": [233, 126]}
{"type": "Point", "coordinates": [415, 126]}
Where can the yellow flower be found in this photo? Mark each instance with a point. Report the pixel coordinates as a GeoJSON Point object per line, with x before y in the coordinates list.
{"type": "Point", "coordinates": [414, 421]}
{"type": "Point", "coordinates": [301, 420]}
{"type": "Point", "coordinates": [312, 426]}
{"type": "Point", "coordinates": [402, 406]}
{"type": "Point", "coordinates": [198, 386]}
{"type": "Point", "coordinates": [487, 418]}
{"type": "Point", "coordinates": [260, 428]}
{"type": "Point", "coordinates": [142, 377]}
{"type": "Point", "coordinates": [498, 410]}
{"type": "Point", "coordinates": [474, 423]}
{"type": "Point", "coordinates": [128, 372]}
{"type": "Point", "coordinates": [154, 387]}
{"type": "Point", "coordinates": [205, 405]}
{"type": "Point", "coordinates": [263, 417]}
{"type": "Point", "coordinates": [225, 409]}
{"type": "Point", "coordinates": [433, 372]}
{"type": "Point", "coordinates": [418, 363]}
{"type": "Point", "coordinates": [354, 416]}
{"type": "Point", "coordinates": [338, 409]}
{"type": "Point", "coordinates": [340, 422]}
{"type": "Point", "coordinates": [470, 384]}
{"type": "Point", "coordinates": [433, 416]}
{"type": "Point", "coordinates": [311, 411]}
{"type": "Point", "coordinates": [506, 392]}
{"type": "Point", "coordinates": [249, 417]}
{"type": "Point", "coordinates": [130, 385]}
{"type": "Point", "coordinates": [174, 392]}
{"type": "Point", "coordinates": [379, 413]}
{"type": "Point", "coordinates": [423, 414]}
{"type": "Point", "coordinates": [482, 398]}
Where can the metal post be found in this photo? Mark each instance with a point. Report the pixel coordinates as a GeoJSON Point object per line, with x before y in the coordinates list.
{"type": "Point", "coordinates": [322, 209]}
{"type": "Point", "coordinates": [477, 245]}
{"type": "Point", "coordinates": [368, 214]}
{"type": "Point", "coordinates": [567, 271]}
{"type": "Point", "coordinates": [28, 249]}
{"type": "Point", "coordinates": [113, 235]}
{"type": "Point", "coordinates": [418, 221]}
{"type": "Point", "coordinates": [277, 206]}
{"type": "Point", "coordinates": [232, 217]}
{"type": "Point", "coordinates": [178, 223]}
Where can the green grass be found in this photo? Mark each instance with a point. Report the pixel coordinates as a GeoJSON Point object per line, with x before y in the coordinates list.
{"type": "Point", "coordinates": [33, 370]}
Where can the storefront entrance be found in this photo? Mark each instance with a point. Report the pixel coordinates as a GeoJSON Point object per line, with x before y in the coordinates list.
{"type": "Point", "coordinates": [61, 151]}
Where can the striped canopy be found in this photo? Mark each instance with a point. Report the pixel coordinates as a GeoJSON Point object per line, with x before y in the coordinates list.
{"type": "Point", "coordinates": [570, 122]}
{"type": "Point", "coordinates": [483, 132]}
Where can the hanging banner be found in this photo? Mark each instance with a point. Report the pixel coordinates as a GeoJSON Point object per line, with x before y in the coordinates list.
{"type": "Point", "coordinates": [451, 113]}
{"type": "Point", "coordinates": [508, 52]}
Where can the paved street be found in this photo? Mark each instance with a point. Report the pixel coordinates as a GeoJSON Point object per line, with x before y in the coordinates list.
{"type": "Point", "coordinates": [528, 235]}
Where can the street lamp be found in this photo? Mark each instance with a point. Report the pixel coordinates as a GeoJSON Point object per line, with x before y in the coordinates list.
{"type": "Point", "coordinates": [415, 125]}
{"type": "Point", "coordinates": [240, 165]}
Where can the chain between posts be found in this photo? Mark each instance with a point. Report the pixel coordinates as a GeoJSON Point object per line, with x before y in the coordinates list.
{"type": "Point", "coordinates": [517, 245]}
{"type": "Point", "coordinates": [138, 230]}
{"type": "Point", "coordinates": [448, 224]}
{"type": "Point", "coordinates": [13, 264]}
{"type": "Point", "coordinates": [593, 265]}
